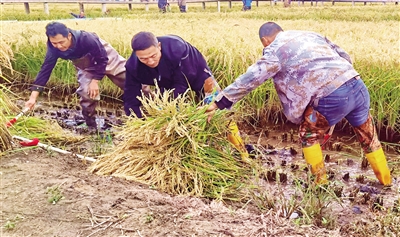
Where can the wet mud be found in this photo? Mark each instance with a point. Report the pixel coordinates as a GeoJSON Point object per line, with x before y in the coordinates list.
{"type": "Point", "coordinates": [70, 117]}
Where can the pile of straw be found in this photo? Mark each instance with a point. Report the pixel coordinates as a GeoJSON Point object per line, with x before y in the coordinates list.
{"type": "Point", "coordinates": [175, 150]}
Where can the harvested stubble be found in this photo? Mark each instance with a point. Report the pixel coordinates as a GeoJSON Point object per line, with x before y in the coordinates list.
{"type": "Point", "coordinates": [175, 150]}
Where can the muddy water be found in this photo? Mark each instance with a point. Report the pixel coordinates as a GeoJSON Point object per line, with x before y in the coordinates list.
{"type": "Point", "coordinates": [69, 115]}
{"type": "Point", "coordinates": [351, 178]}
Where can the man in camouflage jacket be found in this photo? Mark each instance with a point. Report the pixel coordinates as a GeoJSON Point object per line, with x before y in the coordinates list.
{"type": "Point", "coordinates": [317, 86]}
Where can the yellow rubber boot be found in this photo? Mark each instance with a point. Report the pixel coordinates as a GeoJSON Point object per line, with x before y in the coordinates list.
{"type": "Point", "coordinates": [235, 139]}
{"type": "Point", "coordinates": [378, 162]}
{"type": "Point", "coordinates": [313, 156]}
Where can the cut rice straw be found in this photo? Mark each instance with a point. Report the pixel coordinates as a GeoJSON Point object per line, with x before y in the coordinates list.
{"type": "Point", "coordinates": [174, 150]}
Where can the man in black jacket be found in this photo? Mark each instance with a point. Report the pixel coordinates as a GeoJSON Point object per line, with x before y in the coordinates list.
{"type": "Point", "coordinates": [174, 64]}
{"type": "Point", "coordinates": [93, 58]}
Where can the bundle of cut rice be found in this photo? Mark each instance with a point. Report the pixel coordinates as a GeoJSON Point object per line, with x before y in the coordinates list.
{"type": "Point", "coordinates": [46, 130]}
{"type": "Point", "coordinates": [175, 150]}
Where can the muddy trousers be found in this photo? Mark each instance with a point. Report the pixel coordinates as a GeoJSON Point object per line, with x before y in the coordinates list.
{"type": "Point", "coordinates": [313, 129]}
{"type": "Point", "coordinates": [211, 90]}
{"type": "Point", "coordinates": [351, 101]}
{"type": "Point", "coordinates": [182, 5]}
{"type": "Point", "coordinates": [89, 105]}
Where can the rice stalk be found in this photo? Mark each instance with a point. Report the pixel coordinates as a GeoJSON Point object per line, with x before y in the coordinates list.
{"type": "Point", "coordinates": [175, 150]}
{"type": "Point", "coordinates": [5, 136]}
{"type": "Point", "coordinates": [45, 130]}
{"type": "Point", "coordinates": [6, 55]}
{"type": "Point", "coordinates": [6, 104]}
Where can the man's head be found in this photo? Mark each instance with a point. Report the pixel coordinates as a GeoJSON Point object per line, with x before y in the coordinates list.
{"type": "Point", "coordinates": [59, 36]}
{"type": "Point", "coordinates": [147, 48]}
{"type": "Point", "coordinates": [268, 32]}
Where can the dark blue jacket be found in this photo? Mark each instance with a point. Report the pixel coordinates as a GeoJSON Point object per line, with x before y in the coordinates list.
{"type": "Point", "coordinates": [181, 67]}
{"type": "Point", "coordinates": [84, 44]}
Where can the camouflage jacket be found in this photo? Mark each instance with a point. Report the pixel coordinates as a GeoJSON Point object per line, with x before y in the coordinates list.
{"type": "Point", "coordinates": [303, 65]}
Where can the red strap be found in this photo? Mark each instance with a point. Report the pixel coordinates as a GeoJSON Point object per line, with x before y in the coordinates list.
{"type": "Point", "coordinates": [34, 142]}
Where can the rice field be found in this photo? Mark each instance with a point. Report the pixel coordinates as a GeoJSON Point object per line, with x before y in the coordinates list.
{"type": "Point", "coordinates": [228, 40]}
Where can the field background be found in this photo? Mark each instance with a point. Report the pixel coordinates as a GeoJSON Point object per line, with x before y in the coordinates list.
{"type": "Point", "coordinates": [48, 194]}
{"type": "Point", "coordinates": [229, 41]}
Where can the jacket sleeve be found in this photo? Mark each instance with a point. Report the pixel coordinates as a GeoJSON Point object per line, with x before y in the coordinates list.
{"type": "Point", "coordinates": [45, 71]}
{"type": "Point", "coordinates": [179, 63]}
{"type": "Point", "coordinates": [193, 70]}
{"type": "Point", "coordinates": [99, 54]}
{"type": "Point", "coordinates": [180, 81]}
{"type": "Point", "coordinates": [265, 68]}
{"type": "Point", "coordinates": [339, 50]}
{"type": "Point", "coordinates": [131, 91]}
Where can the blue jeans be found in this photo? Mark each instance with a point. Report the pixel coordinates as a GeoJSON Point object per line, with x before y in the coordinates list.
{"type": "Point", "coordinates": [351, 101]}
{"type": "Point", "coordinates": [247, 3]}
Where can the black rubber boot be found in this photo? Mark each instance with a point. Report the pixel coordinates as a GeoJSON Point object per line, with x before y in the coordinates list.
{"type": "Point", "coordinates": [90, 119]}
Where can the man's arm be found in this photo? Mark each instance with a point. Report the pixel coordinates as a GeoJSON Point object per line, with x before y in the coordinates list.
{"type": "Point", "coordinates": [255, 75]}
{"type": "Point", "coordinates": [339, 50]}
{"type": "Point", "coordinates": [131, 91]}
{"type": "Point", "coordinates": [99, 54]}
{"type": "Point", "coordinates": [42, 78]}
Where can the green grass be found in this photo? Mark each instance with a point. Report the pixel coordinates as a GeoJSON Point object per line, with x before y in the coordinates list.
{"type": "Point", "coordinates": [55, 194]}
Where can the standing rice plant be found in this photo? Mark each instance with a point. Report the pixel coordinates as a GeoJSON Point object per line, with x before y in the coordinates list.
{"type": "Point", "coordinates": [175, 150]}
{"type": "Point", "coordinates": [230, 43]}
{"type": "Point", "coordinates": [383, 84]}
{"type": "Point", "coordinates": [6, 55]}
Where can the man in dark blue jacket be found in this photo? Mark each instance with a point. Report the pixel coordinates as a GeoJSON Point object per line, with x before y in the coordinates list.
{"type": "Point", "coordinates": [174, 64]}
{"type": "Point", "coordinates": [93, 58]}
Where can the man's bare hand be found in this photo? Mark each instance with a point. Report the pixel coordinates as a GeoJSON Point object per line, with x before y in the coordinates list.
{"type": "Point", "coordinates": [211, 111]}
{"type": "Point", "coordinates": [32, 100]}
{"type": "Point", "coordinates": [93, 89]}
{"type": "Point", "coordinates": [30, 103]}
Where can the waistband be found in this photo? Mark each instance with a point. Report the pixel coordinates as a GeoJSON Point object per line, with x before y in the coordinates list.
{"type": "Point", "coordinates": [315, 102]}
{"type": "Point", "coordinates": [352, 79]}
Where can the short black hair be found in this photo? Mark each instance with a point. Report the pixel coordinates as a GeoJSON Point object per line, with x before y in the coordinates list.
{"type": "Point", "coordinates": [143, 40]}
{"type": "Point", "coordinates": [269, 29]}
{"type": "Point", "coordinates": [55, 28]}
